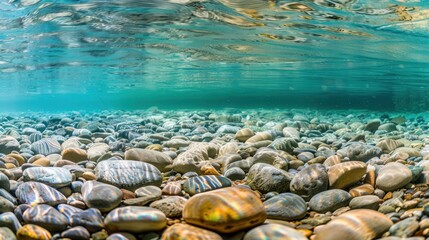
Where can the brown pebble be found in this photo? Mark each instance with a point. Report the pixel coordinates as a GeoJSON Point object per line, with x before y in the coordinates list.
{"type": "Point", "coordinates": [388, 196]}
{"type": "Point", "coordinates": [127, 194]}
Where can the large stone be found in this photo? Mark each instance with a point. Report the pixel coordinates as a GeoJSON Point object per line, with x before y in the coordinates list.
{"type": "Point", "coordinates": [345, 174]}
{"type": "Point", "coordinates": [102, 196]}
{"type": "Point", "coordinates": [46, 146]}
{"type": "Point", "coordinates": [135, 219]}
{"type": "Point", "coordinates": [361, 224]}
{"type": "Point", "coordinates": [266, 178]}
{"type": "Point", "coordinates": [393, 176]}
{"type": "Point", "coordinates": [128, 174]}
{"type": "Point", "coordinates": [47, 217]}
{"type": "Point", "coordinates": [330, 200]}
{"type": "Point", "coordinates": [52, 176]}
{"type": "Point", "coordinates": [159, 159]}
{"type": "Point", "coordinates": [310, 181]}
{"type": "Point", "coordinates": [225, 210]}
{"type": "Point", "coordinates": [39, 193]}
{"type": "Point", "coordinates": [286, 206]}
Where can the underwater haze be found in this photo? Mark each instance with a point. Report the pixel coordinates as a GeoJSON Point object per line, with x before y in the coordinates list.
{"type": "Point", "coordinates": [326, 54]}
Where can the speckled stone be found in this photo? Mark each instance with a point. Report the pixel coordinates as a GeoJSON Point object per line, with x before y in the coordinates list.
{"type": "Point", "coordinates": [330, 200]}
{"type": "Point", "coordinates": [91, 219]}
{"type": "Point", "coordinates": [266, 178]}
{"type": "Point", "coordinates": [7, 234]}
{"type": "Point", "coordinates": [182, 231]}
{"type": "Point", "coordinates": [286, 206]}
{"type": "Point", "coordinates": [47, 217]}
{"type": "Point", "coordinates": [76, 233]}
{"type": "Point", "coordinates": [366, 202]}
{"type": "Point", "coordinates": [46, 146]}
{"type": "Point", "coordinates": [172, 206]}
{"type": "Point", "coordinates": [355, 225]}
{"type": "Point", "coordinates": [51, 176]}
{"type": "Point", "coordinates": [39, 193]}
{"type": "Point", "coordinates": [33, 232]}
{"type": "Point", "coordinates": [225, 210]}
{"type": "Point", "coordinates": [199, 184]}
{"type": "Point", "coordinates": [393, 176]}
{"type": "Point", "coordinates": [158, 159]}
{"type": "Point", "coordinates": [405, 228]}
{"type": "Point", "coordinates": [344, 174]}
{"type": "Point", "coordinates": [135, 219]}
{"type": "Point", "coordinates": [310, 181]}
{"type": "Point", "coordinates": [128, 174]}
{"type": "Point", "coordinates": [10, 221]}
{"type": "Point", "coordinates": [273, 231]}
{"type": "Point", "coordinates": [74, 154]}
{"type": "Point", "coordinates": [102, 196]}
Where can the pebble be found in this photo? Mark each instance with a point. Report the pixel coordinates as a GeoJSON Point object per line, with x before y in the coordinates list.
{"type": "Point", "coordinates": [330, 200]}
{"type": "Point", "coordinates": [47, 217]}
{"type": "Point", "coordinates": [367, 202]}
{"type": "Point", "coordinates": [199, 184]}
{"type": "Point", "coordinates": [4, 182]}
{"type": "Point", "coordinates": [6, 234]}
{"type": "Point", "coordinates": [9, 220]}
{"type": "Point", "coordinates": [171, 206]}
{"type": "Point", "coordinates": [266, 178]}
{"type": "Point", "coordinates": [225, 210]}
{"type": "Point", "coordinates": [405, 228]}
{"type": "Point", "coordinates": [172, 188]}
{"type": "Point", "coordinates": [90, 218]}
{"type": "Point", "coordinates": [393, 176]}
{"type": "Point", "coordinates": [357, 151]}
{"type": "Point", "coordinates": [235, 173]}
{"type": "Point", "coordinates": [74, 154]}
{"type": "Point", "coordinates": [310, 181]}
{"type": "Point", "coordinates": [186, 231]}
{"type": "Point", "coordinates": [274, 231]}
{"type": "Point", "coordinates": [158, 159]}
{"type": "Point", "coordinates": [345, 174]}
{"type": "Point", "coordinates": [33, 232]}
{"type": "Point", "coordinates": [5, 205]}
{"type": "Point", "coordinates": [52, 176]}
{"type": "Point", "coordinates": [286, 206]}
{"type": "Point", "coordinates": [128, 174]}
{"type": "Point", "coordinates": [135, 219]}
{"type": "Point", "coordinates": [39, 193]}
{"type": "Point", "coordinates": [76, 233]}
{"type": "Point", "coordinates": [46, 146]}
{"type": "Point", "coordinates": [102, 196]}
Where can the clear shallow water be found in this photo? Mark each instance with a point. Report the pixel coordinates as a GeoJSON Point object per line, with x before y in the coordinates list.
{"type": "Point", "coordinates": [70, 55]}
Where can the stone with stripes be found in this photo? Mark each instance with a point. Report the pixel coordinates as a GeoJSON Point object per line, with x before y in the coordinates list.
{"type": "Point", "coordinates": [205, 183]}
{"type": "Point", "coordinates": [182, 231]}
{"type": "Point", "coordinates": [46, 146]}
{"type": "Point", "coordinates": [78, 233]}
{"type": "Point", "coordinates": [135, 219]}
{"type": "Point", "coordinates": [91, 219]}
{"type": "Point", "coordinates": [47, 217]}
{"type": "Point", "coordinates": [39, 193]}
{"type": "Point", "coordinates": [225, 210]}
{"type": "Point", "coordinates": [9, 220]}
{"type": "Point", "coordinates": [286, 206]}
{"type": "Point", "coordinates": [31, 231]}
{"type": "Point", "coordinates": [128, 174]}
{"type": "Point", "coordinates": [52, 176]}
{"type": "Point", "coordinates": [172, 188]}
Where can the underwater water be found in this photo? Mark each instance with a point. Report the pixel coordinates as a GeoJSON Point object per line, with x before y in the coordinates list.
{"type": "Point", "coordinates": [326, 54]}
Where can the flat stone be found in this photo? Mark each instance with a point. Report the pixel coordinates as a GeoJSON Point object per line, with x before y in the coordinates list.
{"type": "Point", "coordinates": [344, 174]}
{"type": "Point", "coordinates": [286, 206]}
{"type": "Point", "coordinates": [128, 174]}
{"type": "Point", "coordinates": [74, 154]}
{"type": "Point", "coordinates": [172, 206]}
{"type": "Point", "coordinates": [180, 230]}
{"type": "Point", "coordinates": [274, 231]}
{"type": "Point", "coordinates": [329, 201]}
{"type": "Point", "coordinates": [199, 184]}
{"type": "Point", "coordinates": [33, 232]}
{"type": "Point", "coordinates": [225, 210]}
{"type": "Point", "coordinates": [393, 176]}
{"type": "Point", "coordinates": [96, 150]}
{"type": "Point", "coordinates": [135, 219]}
{"type": "Point", "coordinates": [47, 217]}
{"type": "Point", "coordinates": [39, 193]}
{"type": "Point", "coordinates": [51, 176]}
{"type": "Point", "coordinates": [158, 159]}
{"type": "Point", "coordinates": [366, 202]}
{"type": "Point", "coordinates": [310, 181]}
{"type": "Point", "coordinates": [102, 196]}
{"type": "Point", "coordinates": [243, 134]}
{"type": "Point", "coordinates": [46, 146]}
{"type": "Point", "coordinates": [355, 225]}
{"type": "Point", "coordinates": [266, 178]}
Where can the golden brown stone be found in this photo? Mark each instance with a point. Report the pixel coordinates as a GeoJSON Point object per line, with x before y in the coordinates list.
{"type": "Point", "coordinates": [332, 160]}
{"type": "Point", "coordinates": [18, 157]}
{"type": "Point", "coordinates": [344, 174]}
{"type": "Point", "coordinates": [44, 162]}
{"type": "Point", "coordinates": [365, 189]}
{"type": "Point", "coordinates": [74, 154]}
{"type": "Point", "coordinates": [33, 232]}
{"type": "Point", "coordinates": [185, 231]}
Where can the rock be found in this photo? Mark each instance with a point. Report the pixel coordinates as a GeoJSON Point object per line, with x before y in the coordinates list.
{"type": "Point", "coordinates": [372, 125]}
{"type": "Point", "coordinates": [172, 206]}
{"type": "Point", "coordinates": [128, 174]}
{"type": "Point", "coordinates": [244, 134]}
{"type": "Point", "coordinates": [158, 159]}
{"type": "Point", "coordinates": [7, 234]}
{"type": "Point", "coordinates": [172, 188]}
{"type": "Point", "coordinates": [355, 225]}
{"type": "Point", "coordinates": [46, 146]}
{"type": "Point", "coordinates": [284, 144]}
{"type": "Point", "coordinates": [6, 205]}
{"type": "Point", "coordinates": [9, 220]}
{"type": "Point", "coordinates": [192, 159]}
{"type": "Point", "coordinates": [329, 201]}
{"type": "Point", "coordinates": [74, 154]}
{"type": "Point", "coordinates": [33, 232]}
{"type": "Point", "coordinates": [135, 219]}
{"type": "Point", "coordinates": [412, 152]}
{"type": "Point", "coordinates": [76, 233]}
{"type": "Point", "coordinates": [176, 143]}
{"type": "Point", "coordinates": [8, 144]}
{"type": "Point", "coordinates": [205, 183]}
{"type": "Point", "coordinates": [225, 210]}
{"type": "Point", "coordinates": [266, 178]}
{"type": "Point", "coordinates": [274, 231]}
{"type": "Point", "coordinates": [357, 151]}
{"type": "Point", "coordinates": [286, 206]}
{"type": "Point", "coordinates": [269, 156]}
{"type": "Point", "coordinates": [96, 150]}
{"type": "Point", "coordinates": [39, 193]}
{"type": "Point", "coordinates": [388, 127]}
{"type": "Point", "coordinates": [181, 231]}
{"type": "Point", "coordinates": [291, 133]}
{"type": "Point", "coordinates": [102, 196]}
{"type": "Point", "coordinates": [51, 176]}
{"type": "Point", "coordinates": [47, 217]}
{"type": "Point", "coordinates": [405, 228]}
{"type": "Point", "coordinates": [4, 182]}
{"type": "Point", "coordinates": [235, 173]}
{"type": "Point", "coordinates": [345, 174]}
{"type": "Point", "coordinates": [91, 219]}
{"type": "Point", "coordinates": [366, 202]}
{"type": "Point", "coordinates": [258, 137]}
{"type": "Point", "coordinates": [388, 145]}
{"type": "Point", "coordinates": [310, 181]}
{"type": "Point", "coordinates": [393, 176]}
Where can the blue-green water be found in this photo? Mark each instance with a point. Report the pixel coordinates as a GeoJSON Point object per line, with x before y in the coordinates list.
{"type": "Point", "coordinates": [71, 55]}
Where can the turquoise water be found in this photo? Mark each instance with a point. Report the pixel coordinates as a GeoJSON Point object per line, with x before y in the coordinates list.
{"type": "Point", "coordinates": [326, 54]}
